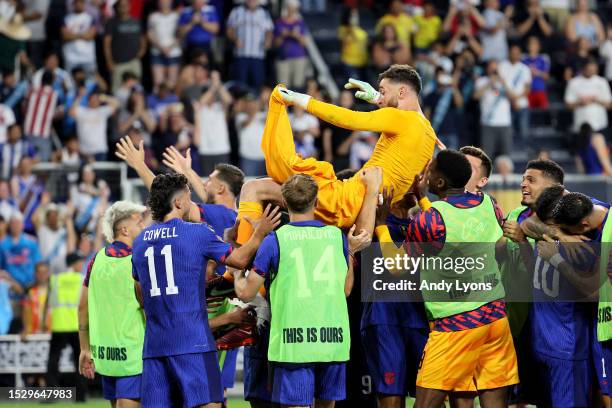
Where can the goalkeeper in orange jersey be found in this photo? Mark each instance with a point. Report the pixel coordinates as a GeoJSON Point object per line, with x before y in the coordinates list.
{"type": "Point", "coordinates": [405, 145]}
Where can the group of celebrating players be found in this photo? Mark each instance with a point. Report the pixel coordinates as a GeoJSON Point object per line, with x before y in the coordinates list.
{"type": "Point", "coordinates": [164, 307]}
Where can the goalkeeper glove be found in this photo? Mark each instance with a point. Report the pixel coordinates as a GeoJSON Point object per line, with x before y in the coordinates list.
{"type": "Point", "coordinates": [366, 92]}
{"type": "Point", "coordinates": [294, 98]}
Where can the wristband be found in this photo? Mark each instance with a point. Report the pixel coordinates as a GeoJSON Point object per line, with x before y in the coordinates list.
{"type": "Point", "coordinates": [556, 260]}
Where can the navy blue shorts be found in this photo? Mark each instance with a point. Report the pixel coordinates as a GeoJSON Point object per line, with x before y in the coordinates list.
{"type": "Point", "coordinates": [121, 387]}
{"type": "Point", "coordinates": [299, 384]}
{"type": "Point", "coordinates": [562, 383]}
{"type": "Point", "coordinates": [188, 380]}
{"type": "Point", "coordinates": [228, 373]}
{"type": "Point", "coordinates": [257, 385]}
{"type": "Point", "coordinates": [165, 61]}
{"type": "Point", "coordinates": [602, 360]}
{"type": "Point", "coordinates": [393, 354]}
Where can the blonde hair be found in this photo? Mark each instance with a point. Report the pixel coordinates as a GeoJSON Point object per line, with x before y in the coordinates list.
{"type": "Point", "coordinates": [116, 213]}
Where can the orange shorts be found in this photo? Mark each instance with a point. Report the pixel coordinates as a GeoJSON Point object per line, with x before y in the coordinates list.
{"type": "Point", "coordinates": [482, 358]}
{"type": "Point", "coordinates": [339, 201]}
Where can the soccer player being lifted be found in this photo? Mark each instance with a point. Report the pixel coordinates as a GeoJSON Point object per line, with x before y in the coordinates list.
{"type": "Point", "coordinates": [405, 145]}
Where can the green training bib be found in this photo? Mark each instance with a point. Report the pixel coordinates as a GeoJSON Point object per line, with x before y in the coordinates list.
{"type": "Point", "coordinates": [116, 321]}
{"type": "Point", "coordinates": [309, 313]}
{"type": "Point", "coordinates": [476, 230]}
{"type": "Point", "coordinates": [604, 309]}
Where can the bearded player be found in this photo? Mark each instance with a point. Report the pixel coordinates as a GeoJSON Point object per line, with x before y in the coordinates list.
{"type": "Point", "coordinates": [405, 145]}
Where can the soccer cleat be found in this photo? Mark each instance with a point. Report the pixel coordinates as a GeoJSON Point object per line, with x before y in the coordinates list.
{"type": "Point", "coordinates": [238, 336]}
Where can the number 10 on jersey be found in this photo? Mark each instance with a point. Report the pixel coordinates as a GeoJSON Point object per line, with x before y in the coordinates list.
{"type": "Point", "coordinates": [166, 251]}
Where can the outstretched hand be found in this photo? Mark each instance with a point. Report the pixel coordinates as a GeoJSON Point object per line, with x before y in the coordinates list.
{"type": "Point", "coordinates": [132, 155]}
{"type": "Point", "coordinates": [365, 91]}
{"type": "Point", "coordinates": [384, 208]}
{"type": "Point", "coordinates": [174, 160]}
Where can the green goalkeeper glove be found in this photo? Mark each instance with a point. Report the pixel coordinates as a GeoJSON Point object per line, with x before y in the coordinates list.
{"type": "Point", "coordinates": [294, 98]}
{"type": "Point", "coordinates": [366, 91]}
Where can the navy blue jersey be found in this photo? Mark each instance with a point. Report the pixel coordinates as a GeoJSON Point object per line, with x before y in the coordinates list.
{"type": "Point", "coordinates": [169, 260]}
{"type": "Point", "coordinates": [220, 218]}
{"type": "Point", "coordinates": [559, 328]}
{"type": "Point", "coordinates": [403, 314]}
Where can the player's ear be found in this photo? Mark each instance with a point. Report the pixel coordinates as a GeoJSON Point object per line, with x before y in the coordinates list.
{"type": "Point", "coordinates": [483, 182]}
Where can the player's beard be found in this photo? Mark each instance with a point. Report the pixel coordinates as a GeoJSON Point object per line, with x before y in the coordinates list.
{"type": "Point", "coordinates": [393, 102]}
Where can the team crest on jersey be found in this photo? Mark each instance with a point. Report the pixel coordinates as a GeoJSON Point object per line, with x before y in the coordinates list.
{"type": "Point", "coordinates": [389, 378]}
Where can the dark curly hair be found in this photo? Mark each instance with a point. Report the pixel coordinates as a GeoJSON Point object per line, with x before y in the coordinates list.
{"type": "Point", "coordinates": [163, 189]}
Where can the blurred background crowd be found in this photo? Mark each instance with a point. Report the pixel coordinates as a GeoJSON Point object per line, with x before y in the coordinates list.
{"type": "Point", "coordinates": [520, 78]}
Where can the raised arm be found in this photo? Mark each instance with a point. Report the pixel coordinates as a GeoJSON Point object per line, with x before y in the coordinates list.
{"type": "Point", "coordinates": [135, 158]}
{"type": "Point", "coordinates": [182, 165]}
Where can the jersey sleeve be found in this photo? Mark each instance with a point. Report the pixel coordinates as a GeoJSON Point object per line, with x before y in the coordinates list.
{"type": "Point", "coordinates": [267, 257]}
{"type": "Point", "coordinates": [345, 248]}
{"type": "Point", "coordinates": [388, 120]}
{"type": "Point", "coordinates": [213, 246]}
{"type": "Point", "coordinates": [499, 214]}
{"type": "Point", "coordinates": [88, 274]}
{"type": "Point", "coordinates": [426, 227]}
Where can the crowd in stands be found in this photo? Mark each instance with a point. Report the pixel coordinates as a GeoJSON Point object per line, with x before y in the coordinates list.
{"type": "Point", "coordinates": [77, 75]}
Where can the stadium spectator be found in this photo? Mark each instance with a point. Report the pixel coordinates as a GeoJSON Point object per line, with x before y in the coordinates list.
{"type": "Point", "coordinates": [36, 320]}
{"type": "Point", "coordinates": [428, 26]}
{"type": "Point", "coordinates": [55, 232]}
{"type": "Point", "coordinates": [19, 252]}
{"type": "Point", "coordinates": [539, 64]}
{"type": "Point", "coordinates": [504, 166]}
{"type": "Point", "coordinates": [290, 39]}
{"type": "Point", "coordinates": [585, 24]}
{"type": "Point", "coordinates": [250, 28]}
{"type": "Point", "coordinates": [400, 20]}
{"type": "Point", "coordinates": [41, 111]}
{"type": "Point", "coordinates": [88, 85]}
{"type": "Point", "coordinates": [305, 129]}
{"type": "Point", "coordinates": [464, 36]}
{"type": "Point", "coordinates": [10, 320]}
{"type": "Point", "coordinates": [588, 95]}
{"type": "Point", "coordinates": [428, 63]}
{"type": "Point", "coordinates": [79, 34]}
{"type": "Point", "coordinates": [605, 51]}
{"type": "Point", "coordinates": [7, 204]}
{"type": "Point", "coordinates": [198, 26]}
{"type": "Point", "coordinates": [463, 17]}
{"type": "Point", "coordinates": [517, 77]}
{"type": "Point", "coordinates": [13, 150]}
{"type": "Point", "coordinates": [165, 47]}
{"type": "Point", "coordinates": [558, 11]}
{"type": "Point", "coordinates": [533, 21]}
{"type": "Point", "coordinates": [13, 35]}
{"type": "Point", "coordinates": [35, 16]}
{"type": "Point", "coordinates": [361, 149]}
{"type": "Point", "coordinates": [388, 50]}
{"type": "Point", "coordinates": [90, 198]}
{"type": "Point", "coordinates": [493, 34]}
{"type": "Point", "coordinates": [91, 122]}
{"type": "Point", "coordinates": [69, 155]}
{"type": "Point", "coordinates": [250, 126]}
{"type": "Point", "coordinates": [27, 190]}
{"type": "Point", "coordinates": [160, 99]}
{"type": "Point", "coordinates": [64, 292]}
{"type": "Point", "coordinates": [592, 153]}
{"type": "Point", "coordinates": [129, 83]}
{"type": "Point", "coordinates": [135, 133]}
{"type": "Point", "coordinates": [336, 140]}
{"type": "Point", "coordinates": [13, 92]}
{"type": "Point", "coordinates": [577, 59]}
{"type": "Point", "coordinates": [174, 130]}
{"type": "Point", "coordinates": [137, 115]}
{"type": "Point", "coordinates": [495, 113]}
{"type": "Point", "coordinates": [124, 44]}
{"type": "Point", "coordinates": [354, 45]}
{"type": "Point", "coordinates": [443, 108]}
{"type": "Point", "coordinates": [211, 133]}
{"type": "Point", "coordinates": [198, 84]}
{"type": "Point", "coordinates": [197, 58]}
{"type": "Point", "coordinates": [62, 82]}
